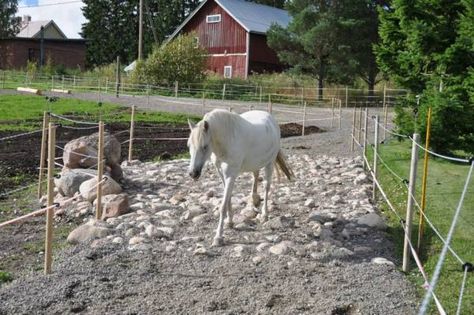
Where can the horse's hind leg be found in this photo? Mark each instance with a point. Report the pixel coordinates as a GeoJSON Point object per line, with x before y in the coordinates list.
{"type": "Point", "coordinates": [229, 184]}
{"type": "Point", "coordinates": [266, 183]}
{"type": "Point", "coordinates": [255, 197]}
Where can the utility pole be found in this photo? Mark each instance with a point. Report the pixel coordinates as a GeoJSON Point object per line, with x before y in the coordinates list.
{"type": "Point", "coordinates": [140, 30]}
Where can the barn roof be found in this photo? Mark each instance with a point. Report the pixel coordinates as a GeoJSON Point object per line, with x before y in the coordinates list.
{"type": "Point", "coordinates": [253, 17]}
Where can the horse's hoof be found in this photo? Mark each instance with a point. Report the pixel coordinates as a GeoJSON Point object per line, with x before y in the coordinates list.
{"type": "Point", "coordinates": [218, 241]}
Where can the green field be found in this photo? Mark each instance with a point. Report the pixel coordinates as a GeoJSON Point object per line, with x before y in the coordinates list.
{"type": "Point", "coordinates": [23, 113]}
{"type": "Point", "coordinates": [444, 186]}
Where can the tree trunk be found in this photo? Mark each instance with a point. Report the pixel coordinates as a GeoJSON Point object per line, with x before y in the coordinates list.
{"type": "Point", "coordinates": [321, 80]}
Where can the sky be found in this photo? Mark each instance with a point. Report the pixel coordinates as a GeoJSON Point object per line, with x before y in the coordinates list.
{"type": "Point", "coordinates": [67, 14]}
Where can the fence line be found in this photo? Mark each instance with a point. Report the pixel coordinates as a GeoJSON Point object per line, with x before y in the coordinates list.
{"type": "Point", "coordinates": [20, 135]}
{"type": "Point", "coordinates": [442, 156]}
{"type": "Point", "coordinates": [434, 279]}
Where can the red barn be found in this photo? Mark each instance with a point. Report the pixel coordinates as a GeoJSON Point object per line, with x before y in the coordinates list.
{"type": "Point", "coordinates": [234, 33]}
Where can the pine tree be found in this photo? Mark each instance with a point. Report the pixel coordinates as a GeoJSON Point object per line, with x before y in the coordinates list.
{"type": "Point", "coordinates": [9, 24]}
{"type": "Point", "coordinates": [331, 40]}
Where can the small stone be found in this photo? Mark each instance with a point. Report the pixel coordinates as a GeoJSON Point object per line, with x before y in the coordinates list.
{"type": "Point", "coordinates": [117, 240]}
{"type": "Point", "coordinates": [177, 199]}
{"type": "Point", "coordinates": [257, 260]}
{"type": "Point", "coordinates": [130, 232]}
{"type": "Point", "coordinates": [310, 203]}
{"type": "Point", "coordinates": [279, 223]}
{"type": "Point", "coordinates": [152, 231]}
{"type": "Point", "coordinates": [382, 261]}
{"type": "Point", "coordinates": [281, 248]}
{"type": "Point", "coordinates": [372, 220]}
{"type": "Point", "coordinates": [262, 246]}
{"type": "Point", "coordinates": [201, 218]}
{"type": "Point", "coordinates": [169, 222]}
{"type": "Point", "coordinates": [136, 240]}
{"type": "Point", "coordinates": [360, 179]}
{"type": "Point", "coordinates": [86, 233]}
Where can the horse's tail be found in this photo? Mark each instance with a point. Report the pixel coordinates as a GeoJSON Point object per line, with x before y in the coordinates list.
{"type": "Point", "coordinates": [281, 165]}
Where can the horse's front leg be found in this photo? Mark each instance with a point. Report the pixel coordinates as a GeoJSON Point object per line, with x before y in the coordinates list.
{"type": "Point", "coordinates": [267, 184]}
{"type": "Point", "coordinates": [224, 208]}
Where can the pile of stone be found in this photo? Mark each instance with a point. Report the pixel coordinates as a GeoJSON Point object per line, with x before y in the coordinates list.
{"type": "Point", "coordinates": [79, 177]}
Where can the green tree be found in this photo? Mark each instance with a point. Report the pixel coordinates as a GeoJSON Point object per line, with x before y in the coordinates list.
{"type": "Point", "coordinates": [331, 40]}
{"type": "Point", "coordinates": [427, 47]}
{"type": "Point", "coordinates": [112, 27]}
{"type": "Point", "coordinates": [179, 60]}
{"type": "Point", "coordinates": [9, 24]}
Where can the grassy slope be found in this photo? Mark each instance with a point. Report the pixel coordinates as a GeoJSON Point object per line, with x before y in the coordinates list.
{"type": "Point", "coordinates": [444, 186]}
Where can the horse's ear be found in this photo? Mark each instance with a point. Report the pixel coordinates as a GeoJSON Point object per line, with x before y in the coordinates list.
{"type": "Point", "coordinates": [206, 126]}
{"type": "Point", "coordinates": [191, 125]}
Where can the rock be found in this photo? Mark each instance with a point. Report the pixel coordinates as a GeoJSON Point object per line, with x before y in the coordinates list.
{"type": "Point", "coordinates": [151, 231]}
{"type": "Point", "coordinates": [177, 199]}
{"type": "Point", "coordinates": [82, 152]}
{"type": "Point", "coordinates": [169, 222]}
{"type": "Point", "coordinates": [114, 205]}
{"type": "Point", "coordinates": [281, 248]}
{"type": "Point", "coordinates": [372, 220]}
{"type": "Point", "coordinates": [382, 261]}
{"type": "Point", "coordinates": [86, 233]}
{"type": "Point", "coordinates": [136, 240]}
{"type": "Point", "coordinates": [131, 232]}
{"type": "Point", "coordinates": [168, 231]}
{"type": "Point", "coordinates": [193, 212]}
{"type": "Point", "coordinates": [310, 203]}
{"type": "Point", "coordinates": [336, 199]}
{"type": "Point", "coordinates": [83, 207]}
{"type": "Point", "coordinates": [201, 218]}
{"type": "Point", "coordinates": [116, 172]}
{"type": "Point", "coordinates": [71, 179]}
{"type": "Point", "coordinates": [202, 251]}
{"type": "Point", "coordinates": [262, 246]}
{"type": "Point", "coordinates": [117, 240]}
{"type": "Point", "coordinates": [257, 260]}
{"type": "Point", "coordinates": [361, 179]}
{"type": "Point", "coordinates": [89, 192]}
{"type": "Point", "coordinates": [279, 223]}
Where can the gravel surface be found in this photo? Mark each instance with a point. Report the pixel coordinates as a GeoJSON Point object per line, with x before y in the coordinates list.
{"type": "Point", "coordinates": [316, 257]}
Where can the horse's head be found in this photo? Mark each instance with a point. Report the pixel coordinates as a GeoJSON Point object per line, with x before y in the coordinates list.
{"type": "Point", "coordinates": [199, 147]}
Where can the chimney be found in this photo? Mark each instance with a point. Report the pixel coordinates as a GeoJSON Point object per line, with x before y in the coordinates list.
{"type": "Point", "coordinates": [26, 19]}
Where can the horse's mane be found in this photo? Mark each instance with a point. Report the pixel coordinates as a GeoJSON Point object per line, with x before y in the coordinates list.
{"type": "Point", "coordinates": [224, 126]}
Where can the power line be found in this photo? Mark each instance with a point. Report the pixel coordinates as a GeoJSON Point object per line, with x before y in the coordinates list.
{"type": "Point", "coordinates": [48, 4]}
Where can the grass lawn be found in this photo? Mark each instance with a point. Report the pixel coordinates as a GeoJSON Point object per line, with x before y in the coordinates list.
{"type": "Point", "coordinates": [23, 112]}
{"type": "Point", "coordinates": [444, 186]}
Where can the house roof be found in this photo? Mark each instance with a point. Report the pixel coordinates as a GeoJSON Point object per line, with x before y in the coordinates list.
{"type": "Point", "coordinates": [253, 17]}
{"type": "Point", "coordinates": [33, 28]}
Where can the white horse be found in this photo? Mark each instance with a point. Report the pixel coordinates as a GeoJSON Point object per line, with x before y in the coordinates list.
{"type": "Point", "coordinates": [237, 143]}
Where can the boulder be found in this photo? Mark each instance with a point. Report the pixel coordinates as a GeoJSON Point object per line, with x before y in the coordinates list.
{"type": "Point", "coordinates": [114, 205]}
{"type": "Point", "coordinates": [109, 187]}
{"type": "Point", "coordinates": [71, 179]}
{"type": "Point", "coordinates": [82, 152]}
{"type": "Point", "coordinates": [87, 232]}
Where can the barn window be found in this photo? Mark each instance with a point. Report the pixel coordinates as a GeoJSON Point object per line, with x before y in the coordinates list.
{"type": "Point", "coordinates": [227, 72]}
{"type": "Point", "coordinates": [215, 18]}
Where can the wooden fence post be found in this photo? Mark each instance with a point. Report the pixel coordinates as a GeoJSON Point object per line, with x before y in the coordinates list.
{"type": "Point", "coordinates": [270, 106]}
{"type": "Point", "coordinates": [353, 129]}
{"type": "Point", "coordinates": [340, 113]}
{"type": "Point", "coordinates": [332, 111]}
{"type": "Point", "coordinates": [132, 129]}
{"type": "Point", "coordinates": [410, 201]}
{"type": "Point", "coordinates": [260, 97]}
{"type": "Point", "coordinates": [176, 88]}
{"type": "Point", "coordinates": [223, 91]}
{"type": "Point", "coordinates": [44, 138]}
{"type": "Point", "coordinates": [366, 124]}
{"type": "Point", "coordinates": [376, 152]}
{"type": "Point", "coordinates": [304, 119]}
{"type": "Point", "coordinates": [421, 221]}
{"type": "Point", "coordinates": [48, 255]}
{"type": "Point", "coordinates": [117, 78]}
{"type": "Point", "coordinates": [100, 171]}
{"type": "Point", "coordinates": [203, 107]}
{"type": "Point", "coordinates": [359, 125]}
{"type": "Point", "coordinates": [347, 95]}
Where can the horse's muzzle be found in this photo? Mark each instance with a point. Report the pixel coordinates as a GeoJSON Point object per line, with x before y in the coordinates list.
{"type": "Point", "coordinates": [195, 174]}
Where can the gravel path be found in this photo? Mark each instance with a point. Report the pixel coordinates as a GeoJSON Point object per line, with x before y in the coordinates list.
{"type": "Point", "coordinates": [323, 251]}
